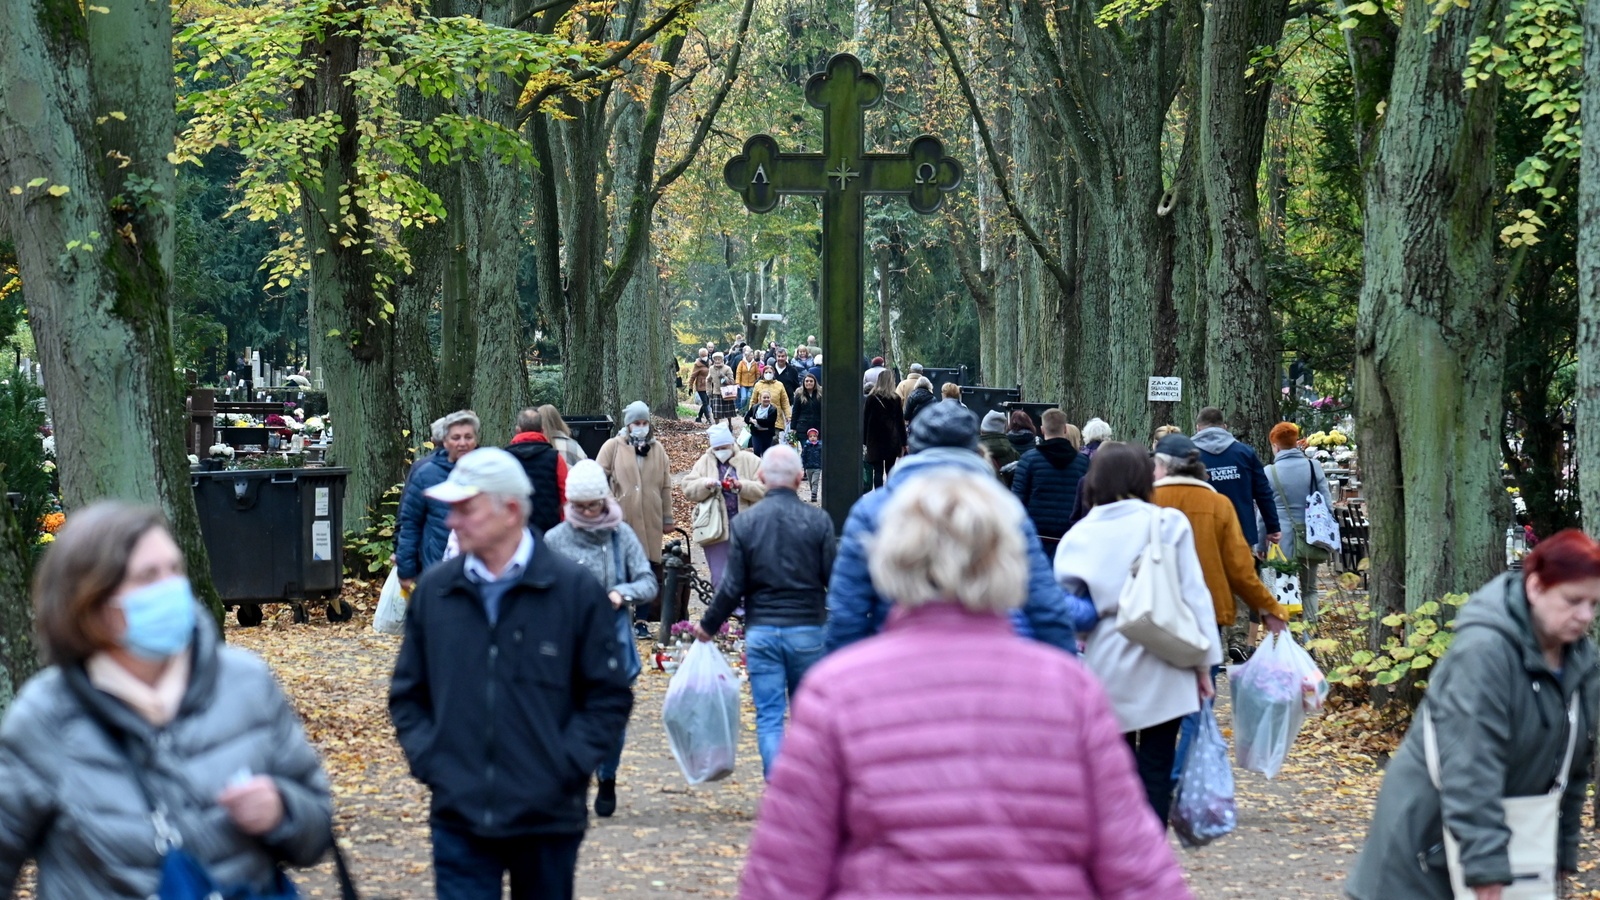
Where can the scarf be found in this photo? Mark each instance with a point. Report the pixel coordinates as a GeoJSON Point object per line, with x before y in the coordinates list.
{"type": "Point", "coordinates": [609, 519]}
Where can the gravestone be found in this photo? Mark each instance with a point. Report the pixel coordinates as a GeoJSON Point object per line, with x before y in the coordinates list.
{"type": "Point", "coordinates": [843, 174]}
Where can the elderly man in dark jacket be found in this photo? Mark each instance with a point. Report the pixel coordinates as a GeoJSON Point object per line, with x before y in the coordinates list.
{"type": "Point", "coordinates": [780, 555]}
{"type": "Point", "coordinates": [1046, 481]}
{"type": "Point", "coordinates": [509, 690]}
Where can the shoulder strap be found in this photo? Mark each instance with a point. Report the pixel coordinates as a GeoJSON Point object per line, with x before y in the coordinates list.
{"type": "Point", "coordinates": [1572, 743]}
{"type": "Point", "coordinates": [1155, 536]}
{"type": "Point", "coordinates": [1277, 486]}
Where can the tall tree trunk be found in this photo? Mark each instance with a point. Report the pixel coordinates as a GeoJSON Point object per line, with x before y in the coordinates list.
{"type": "Point", "coordinates": [640, 369]}
{"type": "Point", "coordinates": [1430, 332]}
{"type": "Point", "coordinates": [458, 321]}
{"type": "Point", "coordinates": [417, 372]}
{"type": "Point", "coordinates": [1587, 454]}
{"type": "Point", "coordinates": [1241, 356]}
{"type": "Point", "coordinates": [1111, 88]}
{"type": "Point", "coordinates": [349, 326]}
{"type": "Point", "coordinates": [88, 111]}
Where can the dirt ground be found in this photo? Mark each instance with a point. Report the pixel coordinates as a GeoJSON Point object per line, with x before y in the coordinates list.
{"type": "Point", "coordinates": [1297, 835]}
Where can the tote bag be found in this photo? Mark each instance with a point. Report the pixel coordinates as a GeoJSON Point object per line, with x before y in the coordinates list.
{"type": "Point", "coordinates": [1151, 610]}
{"type": "Point", "coordinates": [1534, 822]}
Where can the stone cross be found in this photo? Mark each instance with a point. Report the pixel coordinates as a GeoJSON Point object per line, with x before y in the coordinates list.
{"type": "Point", "coordinates": [843, 174]}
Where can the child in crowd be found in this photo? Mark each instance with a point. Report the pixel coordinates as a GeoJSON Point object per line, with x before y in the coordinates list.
{"type": "Point", "coordinates": [811, 461]}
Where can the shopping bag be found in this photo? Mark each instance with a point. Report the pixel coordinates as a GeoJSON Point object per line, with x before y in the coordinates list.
{"type": "Point", "coordinates": [1271, 695]}
{"type": "Point", "coordinates": [1203, 808]}
{"type": "Point", "coordinates": [1322, 529]}
{"type": "Point", "coordinates": [391, 615]}
{"type": "Point", "coordinates": [1152, 612]}
{"type": "Point", "coordinates": [701, 713]}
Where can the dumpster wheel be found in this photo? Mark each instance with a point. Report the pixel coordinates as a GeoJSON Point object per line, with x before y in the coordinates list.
{"type": "Point", "coordinates": [301, 616]}
{"type": "Point", "coordinates": [340, 610]}
{"type": "Point", "coordinates": [249, 615]}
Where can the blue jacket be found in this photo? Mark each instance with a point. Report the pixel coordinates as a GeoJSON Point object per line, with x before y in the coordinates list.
{"type": "Point", "coordinates": [1237, 473]}
{"type": "Point", "coordinates": [1046, 481]}
{"type": "Point", "coordinates": [855, 610]}
{"type": "Point", "coordinates": [811, 454]}
{"type": "Point", "coordinates": [420, 532]}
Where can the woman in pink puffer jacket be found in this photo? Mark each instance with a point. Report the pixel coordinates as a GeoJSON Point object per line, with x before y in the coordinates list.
{"type": "Point", "coordinates": [948, 757]}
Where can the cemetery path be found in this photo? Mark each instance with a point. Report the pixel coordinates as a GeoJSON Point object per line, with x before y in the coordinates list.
{"type": "Point", "coordinates": [1297, 836]}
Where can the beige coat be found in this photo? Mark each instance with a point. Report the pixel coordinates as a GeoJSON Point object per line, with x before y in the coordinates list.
{"type": "Point", "coordinates": [750, 487]}
{"type": "Point", "coordinates": [643, 485]}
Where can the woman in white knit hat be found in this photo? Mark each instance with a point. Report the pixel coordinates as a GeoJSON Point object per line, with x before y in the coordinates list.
{"type": "Point", "coordinates": [594, 536]}
{"type": "Point", "coordinates": [722, 482]}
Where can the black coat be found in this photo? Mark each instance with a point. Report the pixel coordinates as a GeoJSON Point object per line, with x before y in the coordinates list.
{"type": "Point", "coordinates": [543, 464]}
{"type": "Point", "coordinates": [506, 722]}
{"type": "Point", "coordinates": [919, 398]}
{"type": "Point", "coordinates": [780, 557]}
{"type": "Point", "coordinates": [804, 415]}
{"type": "Point", "coordinates": [1046, 481]}
{"type": "Point", "coordinates": [789, 378]}
{"type": "Point", "coordinates": [883, 427]}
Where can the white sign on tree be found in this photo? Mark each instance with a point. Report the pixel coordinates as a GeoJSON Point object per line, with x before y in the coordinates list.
{"type": "Point", "coordinates": [1165, 390]}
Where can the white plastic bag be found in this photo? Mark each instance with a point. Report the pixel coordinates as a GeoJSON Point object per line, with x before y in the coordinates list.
{"type": "Point", "coordinates": [1322, 529]}
{"type": "Point", "coordinates": [1203, 807]}
{"type": "Point", "coordinates": [391, 615]}
{"type": "Point", "coordinates": [701, 713]}
{"type": "Point", "coordinates": [1272, 693]}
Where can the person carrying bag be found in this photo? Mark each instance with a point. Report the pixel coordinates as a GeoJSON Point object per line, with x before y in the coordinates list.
{"type": "Point", "coordinates": [1533, 821]}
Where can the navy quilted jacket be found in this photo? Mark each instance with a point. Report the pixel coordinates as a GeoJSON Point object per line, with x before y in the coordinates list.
{"type": "Point", "coordinates": [1046, 481]}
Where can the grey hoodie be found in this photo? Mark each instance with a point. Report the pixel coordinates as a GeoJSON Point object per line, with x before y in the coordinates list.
{"type": "Point", "coordinates": [1213, 440]}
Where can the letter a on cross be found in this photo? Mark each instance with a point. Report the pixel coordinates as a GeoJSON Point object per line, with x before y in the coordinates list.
{"type": "Point", "coordinates": [842, 174]}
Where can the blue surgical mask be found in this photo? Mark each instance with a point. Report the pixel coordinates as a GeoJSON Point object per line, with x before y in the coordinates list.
{"type": "Point", "coordinates": [160, 618]}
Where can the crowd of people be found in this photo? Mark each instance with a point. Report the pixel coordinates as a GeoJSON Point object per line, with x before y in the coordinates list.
{"type": "Point", "coordinates": [964, 715]}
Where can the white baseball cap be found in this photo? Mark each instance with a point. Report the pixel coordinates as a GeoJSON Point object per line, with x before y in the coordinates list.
{"type": "Point", "coordinates": [486, 470]}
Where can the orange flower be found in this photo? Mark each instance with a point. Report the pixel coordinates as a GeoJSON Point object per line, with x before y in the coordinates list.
{"type": "Point", "coordinates": [53, 522]}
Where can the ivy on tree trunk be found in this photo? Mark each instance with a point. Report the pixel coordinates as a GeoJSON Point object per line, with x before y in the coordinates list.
{"type": "Point", "coordinates": [1430, 332]}
{"type": "Point", "coordinates": [86, 182]}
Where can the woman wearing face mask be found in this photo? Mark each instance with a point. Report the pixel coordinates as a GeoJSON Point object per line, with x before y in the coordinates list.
{"type": "Point", "coordinates": [722, 482]}
{"type": "Point", "coordinates": [593, 536]}
{"type": "Point", "coordinates": [641, 480]}
{"type": "Point", "coordinates": [143, 709]}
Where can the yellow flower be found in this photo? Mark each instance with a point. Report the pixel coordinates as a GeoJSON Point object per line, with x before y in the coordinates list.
{"type": "Point", "coordinates": [47, 538]}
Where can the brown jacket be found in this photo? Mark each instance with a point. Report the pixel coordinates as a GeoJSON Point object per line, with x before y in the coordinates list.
{"type": "Point", "coordinates": [698, 378]}
{"type": "Point", "coordinates": [643, 485]}
{"type": "Point", "coordinates": [1225, 558]}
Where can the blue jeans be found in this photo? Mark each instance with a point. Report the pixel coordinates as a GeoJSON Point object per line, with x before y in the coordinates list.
{"type": "Point", "coordinates": [776, 658]}
{"type": "Point", "coordinates": [1190, 728]}
{"type": "Point", "coordinates": [469, 867]}
{"type": "Point", "coordinates": [744, 398]}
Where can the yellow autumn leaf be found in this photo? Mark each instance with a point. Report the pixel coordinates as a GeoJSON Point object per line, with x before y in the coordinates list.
{"type": "Point", "coordinates": [37, 182]}
{"type": "Point", "coordinates": [59, 190]}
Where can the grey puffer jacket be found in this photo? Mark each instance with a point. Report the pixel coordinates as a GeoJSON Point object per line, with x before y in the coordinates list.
{"type": "Point", "coordinates": [70, 800]}
{"type": "Point", "coordinates": [592, 549]}
{"type": "Point", "coordinates": [1501, 718]}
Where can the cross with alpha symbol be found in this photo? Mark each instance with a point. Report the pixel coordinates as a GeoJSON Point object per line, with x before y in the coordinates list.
{"type": "Point", "coordinates": [843, 174]}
